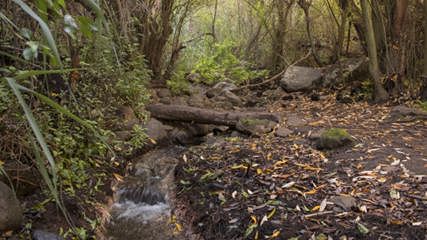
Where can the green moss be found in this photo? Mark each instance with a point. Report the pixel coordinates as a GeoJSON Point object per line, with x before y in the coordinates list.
{"type": "Point", "coordinates": [336, 134]}
{"type": "Point", "coordinates": [423, 106]}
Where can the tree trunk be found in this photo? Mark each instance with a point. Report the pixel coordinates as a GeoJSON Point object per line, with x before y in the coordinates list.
{"type": "Point", "coordinates": [424, 77]}
{"type": "Point", "coordinates": [305, 5]}
{"type": "Point", "coordinates": [204, 116]}
{"type": "Point", "coordinates": [341, 29]}
{"type": "Point", "coordinates": [380, 95]}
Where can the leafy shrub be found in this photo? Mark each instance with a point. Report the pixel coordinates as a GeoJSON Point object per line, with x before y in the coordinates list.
{"type": "Point", "coordinates": [222, 64]}
{"type": "Point", "coordinates": [178, 84]}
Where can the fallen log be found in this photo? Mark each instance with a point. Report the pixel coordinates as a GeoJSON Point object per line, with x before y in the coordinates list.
{"type": "Point", "coordinates": [205, 116]}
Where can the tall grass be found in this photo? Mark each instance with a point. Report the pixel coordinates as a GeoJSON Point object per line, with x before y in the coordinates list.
{"type": "Point", "coordinates": [41, 149]}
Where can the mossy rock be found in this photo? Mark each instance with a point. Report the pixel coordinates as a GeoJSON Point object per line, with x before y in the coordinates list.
{"type": "Point", "coordinates": [334, 138]}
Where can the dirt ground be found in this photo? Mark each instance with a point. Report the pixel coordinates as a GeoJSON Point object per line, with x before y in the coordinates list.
{"type": "Point", "coordinates": [273, 187]}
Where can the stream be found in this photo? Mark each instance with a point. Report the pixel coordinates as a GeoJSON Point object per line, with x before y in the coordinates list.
{"type": "Point", "coordinates": [143, 202]}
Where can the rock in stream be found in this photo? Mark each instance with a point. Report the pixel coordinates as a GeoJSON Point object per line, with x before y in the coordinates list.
{"type": "Point", "coordinates": [144, 201]}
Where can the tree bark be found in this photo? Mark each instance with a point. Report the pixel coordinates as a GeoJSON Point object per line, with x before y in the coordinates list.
{"type": "Point", "coordinates": [305, 5]}
{"type": "Point", "coordinates": [424, 77]}
{"type": "Point", "coordinates": [204, 116]}
{"type": "Point", "coordinates": [380, 94]}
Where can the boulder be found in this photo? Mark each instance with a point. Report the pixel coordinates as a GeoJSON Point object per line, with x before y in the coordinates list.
{"type": "Point", "coordinates": [11, 216]}
{"type": "Point", "coordinates": [334, 138]}
{"type": "Point", "coordinates": [255, 127]}
{"type": "Point", "coordinates": [156, 130]}
{"type": "Point", "coordinates": [298, 78]}
{"type": "Point", "coordinates": [347, 70]}
{"type": "Point", "coordinates": [219, 88]}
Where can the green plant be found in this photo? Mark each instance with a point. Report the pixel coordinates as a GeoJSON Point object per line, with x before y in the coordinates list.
{"type": "Point", "coordinates": [132, 81]}
{"type": "Point", "coordinates": [178, 84]}
{"type": "Point", "coordinates": [423, 105]}
{"type": "Point", "coordinates": [222, 63]}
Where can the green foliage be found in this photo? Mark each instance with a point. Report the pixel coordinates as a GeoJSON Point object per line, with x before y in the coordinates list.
{"type": "Point", "coordinates": [178, 84]}
{"type": "Point", "coordinates": [139, 137]}
{"type": "Point", "coordinates": [5, 97]}
{"type": "Point", "coordinates": [132, 81]}
{"type": "Point", "coordinates": [222, 64]}
{"type": "Point", "coordinates": [76, 151]}
{"type": "Point", "coordinates": [423, 105]}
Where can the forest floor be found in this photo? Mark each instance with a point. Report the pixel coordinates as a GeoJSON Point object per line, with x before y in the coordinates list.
{"type": "Point", "coordinates": [272, 187]}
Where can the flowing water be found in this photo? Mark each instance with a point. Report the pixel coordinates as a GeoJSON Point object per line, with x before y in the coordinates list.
{"type": "Point", "coordinates": [144, 201]}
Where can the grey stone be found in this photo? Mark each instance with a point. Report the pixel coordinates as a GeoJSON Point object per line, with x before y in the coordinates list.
{"type": "Point", "coordinates": [283, 132]}
{"type": "Point", "coordinates": [347, 70]}
{"type": "Point", "coordinates": [11, 216]}
{"type": "Point", "coordinates": [233, 98]}
{"type": "Point", "coordinates": [255, 127]}
{"type": "Point", "coordinates": [298, 78]}
{"type": "Point", "coordinates": [157, 130]}
{"type": "Point", "coordinates": [43, 235]}
{"type": "Point", "coordinates": [219, 88]}
{"type": "Point", "coordinates": [345, 202]}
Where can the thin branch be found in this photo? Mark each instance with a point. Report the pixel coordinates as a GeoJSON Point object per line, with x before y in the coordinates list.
{"type": "Point", "coordinates": [275, 77]}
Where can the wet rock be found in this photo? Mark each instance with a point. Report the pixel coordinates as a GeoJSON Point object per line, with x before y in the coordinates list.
{"type": "Point", "coordinates": [344, 201]}
{"type": "Point", "coordinates": [43, 235]}
{"type": "Point", "coordinates": [334, 138]}
{"type": "Point", "coordinates": [11, 215]}
{"type": "Point", "coordinates": [283, 132]}
{"type": "Point", "coordinates": [255, 127]}
{"type": "Point", "coordinates": [298, 78]}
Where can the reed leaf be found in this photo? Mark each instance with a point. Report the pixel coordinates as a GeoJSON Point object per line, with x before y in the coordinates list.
{"type": "Point", "coordinates": [35, 128]}
{"type": "Point", "coordinates": [45, 29]}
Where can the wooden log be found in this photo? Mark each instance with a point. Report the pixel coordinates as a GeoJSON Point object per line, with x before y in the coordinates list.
{"type": "Point", "coordinates": [204, 116]}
